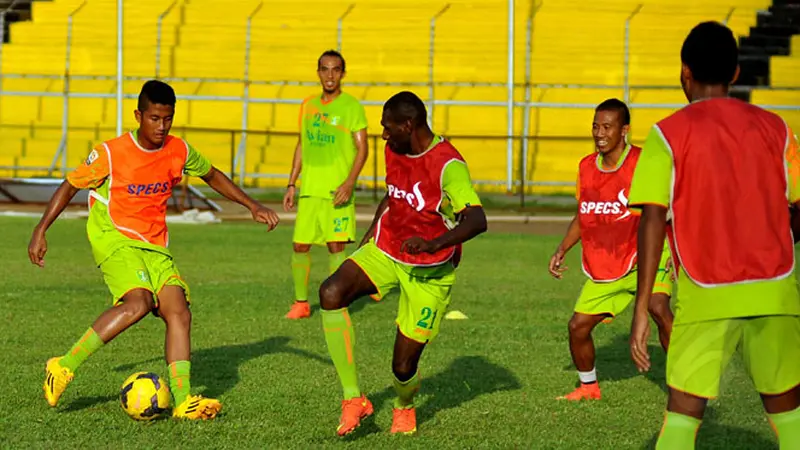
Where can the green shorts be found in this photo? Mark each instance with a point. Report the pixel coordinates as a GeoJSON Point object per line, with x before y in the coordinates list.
{"type": "Point", "coordinates": [424, 292]}
{"type": "Point", "coordinates": [131, 268]}
{"type": "Point", "coordinates": [319, 222]}
{"type": "Point", "coordinates": [612, 298]}
{"type": "Point", "coordinates": [700, 351]}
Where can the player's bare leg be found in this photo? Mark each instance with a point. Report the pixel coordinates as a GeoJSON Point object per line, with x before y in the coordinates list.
{"type": "Point", "coordinates": [174, 311]}
{"type": "Point", "coordinates": [662, 315]}
{"type": "Point", "coordinates": [60, 371]}
{"type": "Point", "coordinates": [347, 284]}
{"type": "Point", "coordinates": [405, 363]}
{"type": "Point", "coordinates": [784, 416]}
{"type": "Point", "coordinates": [581, 346]}
{"type": "Point", "coordinates": [301, 268]}
{"type": "Point", "coordinates": [135, 305]}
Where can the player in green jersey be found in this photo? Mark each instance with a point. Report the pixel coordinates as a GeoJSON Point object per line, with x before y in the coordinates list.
{"type": "Point", "coordinates": [330, 152]}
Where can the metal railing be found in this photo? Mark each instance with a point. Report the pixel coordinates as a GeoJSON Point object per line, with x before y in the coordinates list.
{"type": "Point", "coordinates": [524, 137]}
{"type": "Point", "coordinates": [276, 143]}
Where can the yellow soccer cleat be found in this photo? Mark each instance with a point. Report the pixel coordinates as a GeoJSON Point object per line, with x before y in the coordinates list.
{"type": "Point", "coordinates": [56, 380]}
{"type": "Point", "coordinates": [196, 407]}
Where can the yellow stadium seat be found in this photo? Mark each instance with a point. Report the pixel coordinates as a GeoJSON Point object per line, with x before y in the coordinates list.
{"type": "Point", "coordinates": [767, 98]}
{"type": "Point", "coordinates": [572, 43]}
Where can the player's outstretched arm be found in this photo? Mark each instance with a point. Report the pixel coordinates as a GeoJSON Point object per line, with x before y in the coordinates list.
{"type": "Point", "coordinates": [652, 232]}
{"type": "Point", "coordinates": [378, 213]}
{"type": "Point", "coordinates": [222, 184]}
{"type": "Point", "coordinates": [345, 191]}
{"type": "Point", "coordinates": [297, 166]}
{"type": "Point", "coordinates": [572, 237]}
{"type": "Point", "coordinates": [61, 198]}
{"type": "Point", "coordinates": [473, 222]}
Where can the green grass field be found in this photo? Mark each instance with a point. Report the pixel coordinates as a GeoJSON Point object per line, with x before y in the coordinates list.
{"type": "Point", "coordinates": [488, 382]}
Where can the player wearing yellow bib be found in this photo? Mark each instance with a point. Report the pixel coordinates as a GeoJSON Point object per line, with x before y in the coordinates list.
{"type": "Point", "coordinates": [330, 152]}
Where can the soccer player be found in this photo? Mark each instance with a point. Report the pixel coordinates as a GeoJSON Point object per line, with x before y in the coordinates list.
{"type": "Point", "coordinates": [131, 178]}
{"type": "Point", "coordinates": [330, 152]}
{"type": "Point", "coordinates": [414, 244]}
{"type": "Point", "coordinates": [723, 168]}
{"type": "Point", "coordinates": [607, 230]}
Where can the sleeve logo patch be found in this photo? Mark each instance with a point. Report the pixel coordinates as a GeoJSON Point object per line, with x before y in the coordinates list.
{"type": "Point", "coordinates": [92, 157]}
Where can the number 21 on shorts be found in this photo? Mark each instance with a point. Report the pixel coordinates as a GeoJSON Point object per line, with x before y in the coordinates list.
{"type": "Point", "coordinates": [426, 315]}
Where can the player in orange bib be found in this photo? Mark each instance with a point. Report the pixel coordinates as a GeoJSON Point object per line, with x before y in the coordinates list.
{"type": "Point", "coordinates": [131, 178]}
{"type": "Point", "coordinates": [727, 172]}
{"type": "Point", "coordinates": [607, 231]}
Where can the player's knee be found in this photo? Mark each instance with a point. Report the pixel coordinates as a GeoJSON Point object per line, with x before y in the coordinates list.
{"type": "Point", "coordinates": [404, 370]}
{"type": "Point", "coordinates": [331, 295]}
{"type": "Point", "coordinates": [137, 303]}
{"type": "Point", "coordinates": [178, 317]}
{"type": "Point", "coordinates": [301, 248]}
{"type": "Point", "coordinates": [686, 404]}
{"type": "Point", "coordinates": [336, 247]}
{"type": "Point", "coordinates": [578, 326]}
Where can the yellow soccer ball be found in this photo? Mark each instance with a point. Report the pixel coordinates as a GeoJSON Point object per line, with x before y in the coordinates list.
{"type": "Point", "coordinates": [144, 396]}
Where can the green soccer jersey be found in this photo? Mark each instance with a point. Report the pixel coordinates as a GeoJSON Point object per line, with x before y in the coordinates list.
{"type": "Point", "coordinates": [328, 150]}
{"type": "Point", "coordinates": [652, 184]}
{"type": "Point", "coordinates": [93, 174]}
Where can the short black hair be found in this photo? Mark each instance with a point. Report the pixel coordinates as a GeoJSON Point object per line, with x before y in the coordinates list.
{"type": "Point", "coordinates": [331, 53]}
{"type": "Point", "coordinates": [158, 92]}
{"type": "Point", "coordinates": [711, 53]}
{"type": "Point", "coordinates": [617, 105]}
{"type": "Point", "coordinates": [406, 105]}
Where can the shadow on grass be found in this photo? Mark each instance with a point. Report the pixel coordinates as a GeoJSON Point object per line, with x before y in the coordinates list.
{"type": "Point", "coordinates": [218, 368]}
{"type": "Point", "coordinates": [89, 402]}
{"type": "Point", "coordinates": [712, 435]}
{"type": "Point", "coordinates": [613, 362]}
{"type": "Point", "coordinates": [467, 378]}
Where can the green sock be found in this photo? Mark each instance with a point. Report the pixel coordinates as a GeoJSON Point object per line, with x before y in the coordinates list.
{"type": "Point", "coordinates": [787, 427]}
{"type": "Point", "coordinates": [335, 260]}
{"type": "Point", "coordinates": [301, 266]}
{"type": "Point", "coordinates": [678, 433]}
{"type": "Point", "coordinates": [341, 340]}
{"type": "Point", "coordinates": [406, 390]}
{"type": "Point", "coordinates": [88, 344]}
{"type": "Point", "coordinates": [179, 381]}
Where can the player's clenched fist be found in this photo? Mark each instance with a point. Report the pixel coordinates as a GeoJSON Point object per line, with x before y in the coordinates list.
{"type": "Point", "coordinates": [416, 245]}
{"type": "Point", "coordinates": [267, 216]}
{"type": "Point", "coordinates": [37, 248]}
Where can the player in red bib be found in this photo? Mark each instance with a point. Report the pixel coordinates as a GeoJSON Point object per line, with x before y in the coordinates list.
{"type": "Point", "coordinates": [608, 233]}
{"type": "Point", "coordinates": [413, 244]}
{"type": "Point", "coordinates": [727, 172]}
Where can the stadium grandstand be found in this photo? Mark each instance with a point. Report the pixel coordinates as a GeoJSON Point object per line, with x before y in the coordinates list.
{"type": "Point", "coordinates": [567, 54]}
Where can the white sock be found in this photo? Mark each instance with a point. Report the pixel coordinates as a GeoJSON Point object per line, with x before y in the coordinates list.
{"type": "Point", "coordinates": [588, 377]}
